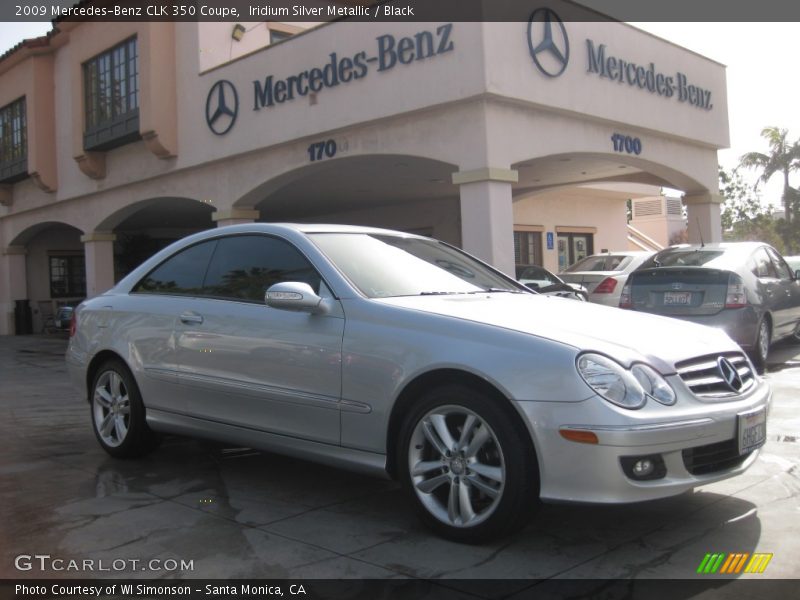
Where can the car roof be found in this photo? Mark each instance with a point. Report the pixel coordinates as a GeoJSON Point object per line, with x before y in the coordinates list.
{"type": "Point", "coordinates": [309, 228]}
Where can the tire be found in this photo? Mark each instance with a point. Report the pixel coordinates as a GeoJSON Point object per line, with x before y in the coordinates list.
{"type": "Point", "coordinates": [761, 345]}
{"type": "Point", "coordinates": [470, 487]}
{"type": "Point", "coordinates": [118, 414]}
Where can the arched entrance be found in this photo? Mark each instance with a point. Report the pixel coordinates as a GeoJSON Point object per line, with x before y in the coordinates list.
{"type": "Point", "coordinates": [45, 267]}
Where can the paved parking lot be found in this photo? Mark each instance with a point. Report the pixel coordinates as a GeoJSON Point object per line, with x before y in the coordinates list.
{"type": "Point", "coordinates": [237, 513]}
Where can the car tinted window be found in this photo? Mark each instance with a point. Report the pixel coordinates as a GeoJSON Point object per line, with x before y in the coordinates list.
{"type": "Point", "coordinates": [783, 270]}
{"type": "Point", "coordinates": [605, 262]}
{"type": "Point", "coordinates": [244, 266]}
{"type": "Point", "coordinates": [763, 264]}
{"type": "Point", "coordinates": [181, 273]}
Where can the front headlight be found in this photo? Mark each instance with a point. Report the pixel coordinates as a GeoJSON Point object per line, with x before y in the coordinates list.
{"type": "Point", "coordinates": [653, 384]}
{"type": "Point", "coordinates": [623, 387]}
{"type": "Point", "coordinates": [611, 381]}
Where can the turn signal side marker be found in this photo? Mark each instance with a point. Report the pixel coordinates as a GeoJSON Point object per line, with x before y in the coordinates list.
{"type": "Point", "coordinates": [580, 436]}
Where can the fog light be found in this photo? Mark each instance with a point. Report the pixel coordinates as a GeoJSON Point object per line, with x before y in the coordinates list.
{"type": "Point", "coordinates": [644, 468]}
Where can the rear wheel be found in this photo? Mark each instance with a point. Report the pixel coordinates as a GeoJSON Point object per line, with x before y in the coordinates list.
{"type": "Point", "coordinates": [466, 465]}
{"type": "Point", "coordinates": [118, 413]}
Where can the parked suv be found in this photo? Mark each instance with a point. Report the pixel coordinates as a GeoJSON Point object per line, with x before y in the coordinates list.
{"type": "Point", "coordinates": [744, 288]}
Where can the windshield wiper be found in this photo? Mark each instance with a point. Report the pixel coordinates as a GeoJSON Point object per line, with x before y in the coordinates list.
{"type": "Point", "coordinates": [439, 293]}
{"type": "Point", "coordinates": [492, 290]}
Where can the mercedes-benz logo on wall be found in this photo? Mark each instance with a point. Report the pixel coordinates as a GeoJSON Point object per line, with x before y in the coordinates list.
{"type": "Point", "coordinates": [548, 42]}
{"type": "Point", "coordinates": [222, 106]}
{"type": "Point", "coordinates": [730, 374]}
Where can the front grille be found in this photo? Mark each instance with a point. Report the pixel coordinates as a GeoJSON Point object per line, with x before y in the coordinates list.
{"type": "Point", "coordinates": [703, 376]}
{"type": "Point", "coordinates": [721, 456]}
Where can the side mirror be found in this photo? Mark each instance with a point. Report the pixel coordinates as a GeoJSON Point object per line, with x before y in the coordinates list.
{"type": "Point", "coordinates": [797, 274]}
{"type": "Point", "coordinates": [532, 286]}
{"type": "Point", "coordinates": [296, 296]}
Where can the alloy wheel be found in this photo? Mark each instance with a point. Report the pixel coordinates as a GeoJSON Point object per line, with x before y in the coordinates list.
{"type": "Point", "coordinates": [112, 409]}
{"type": "Point", "coordinates": [457, 466]}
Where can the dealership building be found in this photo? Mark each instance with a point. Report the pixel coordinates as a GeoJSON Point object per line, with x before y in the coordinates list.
{"type": "Point", "coordinates": [520, 142]}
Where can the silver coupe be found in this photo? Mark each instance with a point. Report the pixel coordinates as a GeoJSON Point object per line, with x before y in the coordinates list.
{"type": "Point", "coordinates": [404, 357]}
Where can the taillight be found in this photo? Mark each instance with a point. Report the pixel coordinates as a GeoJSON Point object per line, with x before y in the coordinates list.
{"type": "Point", "coordinates": [736, 296]}
{"type": "Point", "coordinates": [606, 286]}
{"type": "Point", "coordinates": [73, 323]}
{"type": "Point", "coordinates": [625, 297]}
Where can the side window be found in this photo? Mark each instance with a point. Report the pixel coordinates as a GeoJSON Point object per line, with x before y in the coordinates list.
{"type": "Point", "coordinates": [244, 267]}
{"type": "Point", "coordinates": [764, 266]}
{"type": "Point", "coordinates": [181, 274]}
{"type": "Point", "coordinates": [783, 270]}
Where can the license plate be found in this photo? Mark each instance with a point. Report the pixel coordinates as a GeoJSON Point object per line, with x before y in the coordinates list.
{"type": "Point", "coordinates": [677, 298]}
{"type": "Point", "coordinates": [752, 429]}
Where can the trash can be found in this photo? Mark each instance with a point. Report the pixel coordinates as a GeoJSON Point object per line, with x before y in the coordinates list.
{"type": "Point", "coordinates": [23, 317]}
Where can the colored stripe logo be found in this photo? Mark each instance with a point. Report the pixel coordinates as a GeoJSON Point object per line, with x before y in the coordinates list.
{"type": "Point", "coordinates": [734, 563]}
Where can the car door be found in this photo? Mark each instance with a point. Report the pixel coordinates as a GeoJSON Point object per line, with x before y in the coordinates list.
{"type": "Point", "coordinates": [245, 364]}
{"type": "Point", "coordinates": [147, 320]}
{"type": "Point", "coordinates": [788, 291]}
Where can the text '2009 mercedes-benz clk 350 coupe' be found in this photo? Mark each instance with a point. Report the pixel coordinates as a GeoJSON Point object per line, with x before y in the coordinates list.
{"type": "Point", "coordinates": [402, 356]}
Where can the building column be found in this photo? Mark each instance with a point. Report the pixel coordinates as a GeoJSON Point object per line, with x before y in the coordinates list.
{"type": "Point", "coordinates": [234, 216]}
{"type": "Point", "coordinates": [487, 215]}
{"type": "Point", "coordinates": [704, 221]}
{"type": "Point", "coordinates": [14, 285]}
{"type": "Point", "coordinates": [98, 248]}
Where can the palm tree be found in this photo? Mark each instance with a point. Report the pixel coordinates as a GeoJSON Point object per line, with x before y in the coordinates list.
{"type": "Point", "coordinates": [783, 157]}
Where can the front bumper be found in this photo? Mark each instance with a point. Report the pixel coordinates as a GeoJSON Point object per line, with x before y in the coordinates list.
{"type": "Point", "coordinates": [581, 472]}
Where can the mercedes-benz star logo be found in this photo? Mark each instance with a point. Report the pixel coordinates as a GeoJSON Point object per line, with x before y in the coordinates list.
{"type": "Point", "coordinates": [549, 45]}
{"type": "Point", "coordinates": [730, 374]}
{"type": "Point", "coordinates": [222, 106]}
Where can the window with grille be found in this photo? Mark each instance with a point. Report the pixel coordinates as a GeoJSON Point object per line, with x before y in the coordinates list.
{"type": "Point", "coordinates": [111, 97]}
{"type": "Point", "coordinates": [13, 142]}
{"type": "Point", "coordinates": [67, 276]}
{"type": "Point", "coordinates": [528, 248]}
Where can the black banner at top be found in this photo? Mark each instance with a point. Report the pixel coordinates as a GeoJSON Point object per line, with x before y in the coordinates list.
{"type": "Point", "coordinates": [396, 10]}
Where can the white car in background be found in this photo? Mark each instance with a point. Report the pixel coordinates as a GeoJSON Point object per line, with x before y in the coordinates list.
{"type": "Point", "coordinates": [604, 275]}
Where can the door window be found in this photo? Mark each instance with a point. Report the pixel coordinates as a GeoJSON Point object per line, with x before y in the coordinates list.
{"type": "Point", "coordinates": [244, 267]}
{"type": "Point", "coordinates": [763, 265]}
{"type": "Point", "coordinates": [573, 247]}
{"type": "Point", "coordinates": [181, 274]}
{"type": "Point", "coordinates": [782, 269]}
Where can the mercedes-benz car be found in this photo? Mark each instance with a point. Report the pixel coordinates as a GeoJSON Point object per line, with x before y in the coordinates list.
{"type": "Point", "coordinates": [604, 275]}
{"type": "Point", "coordinates": [404, 357]}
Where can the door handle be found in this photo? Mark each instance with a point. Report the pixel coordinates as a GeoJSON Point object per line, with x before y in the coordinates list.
{"type": "Point", "coordinates": [191, 317]}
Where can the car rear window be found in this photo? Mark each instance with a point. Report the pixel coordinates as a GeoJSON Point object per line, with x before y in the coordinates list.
{"type": "Point", "coordinates": [696, 257]}
{"type": "Point", "coordinates": [606, 262]}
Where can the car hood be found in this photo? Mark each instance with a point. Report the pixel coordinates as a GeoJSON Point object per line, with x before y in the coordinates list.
{"type": "Point", "coordinates": [625, 335]}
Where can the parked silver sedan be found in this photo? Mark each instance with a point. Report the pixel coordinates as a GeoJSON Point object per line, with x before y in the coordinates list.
{"type": "Point", "coordinates": [404, 357]}
{"type": "Point", "coordinates": [743, 288]}
{"type": "Point", "coordinates": [604, 275]}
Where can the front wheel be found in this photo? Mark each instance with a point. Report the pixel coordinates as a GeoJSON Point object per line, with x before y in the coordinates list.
{"type": "Point", "coordinates": [118, 413]}
{"type": "Point", "coordinates": [467, 466]}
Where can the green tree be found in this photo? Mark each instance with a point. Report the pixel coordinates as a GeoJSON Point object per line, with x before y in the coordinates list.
{"type": "Point", "coordinates": [745, 217]}
{"type": "Point", "coordinates": [742, 200]}
{"type": "Point", "coordinates": [783, 157]}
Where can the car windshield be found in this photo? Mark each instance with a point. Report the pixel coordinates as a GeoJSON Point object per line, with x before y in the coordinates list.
{"type": "Point", "coordinates": [604, 262]}
{"type": "Point", "coordinates": [683, 257]}
{"type": "Point", "coordinates": [382, 266]}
